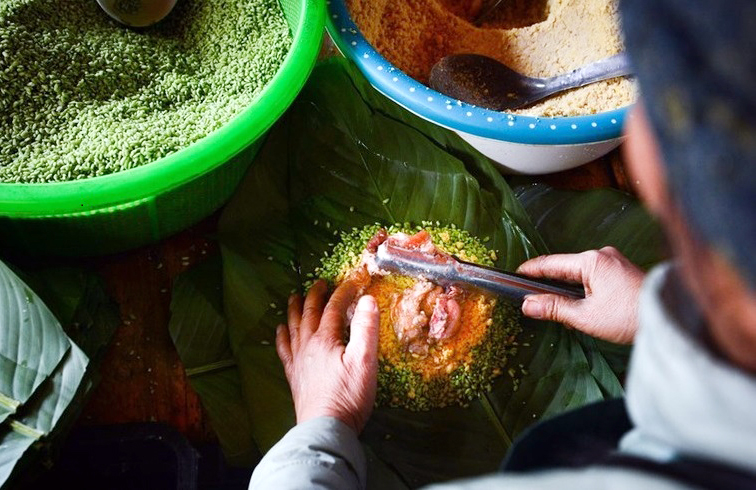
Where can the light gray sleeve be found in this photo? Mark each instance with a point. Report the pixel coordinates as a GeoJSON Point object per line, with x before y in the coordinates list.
{"type": "Point", "coordinates": [590, 478]}
{"type": "Point", "coordinates": [322, 453]}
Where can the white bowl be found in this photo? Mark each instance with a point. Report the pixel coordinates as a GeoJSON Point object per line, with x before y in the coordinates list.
{"type": "Point", "coordinates": [519, 144]}
{"type": "Point", "coordinates": [522, 158]}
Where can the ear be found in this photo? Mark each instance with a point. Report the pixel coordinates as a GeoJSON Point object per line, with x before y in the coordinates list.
{"type": "Point", "coordinates": [644, 161]}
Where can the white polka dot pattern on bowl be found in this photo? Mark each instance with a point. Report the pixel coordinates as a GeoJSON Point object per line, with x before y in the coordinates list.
{"type": "Point", "coordinates": [459, 115]}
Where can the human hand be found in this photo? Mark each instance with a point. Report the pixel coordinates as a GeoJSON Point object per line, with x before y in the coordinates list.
{"type": "Point", "coordinates": [612, 286]}
{"type": "Point", "coordinates": [328, 378]}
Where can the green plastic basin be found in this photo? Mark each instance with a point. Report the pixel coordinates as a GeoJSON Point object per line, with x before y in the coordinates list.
{"type": "Point", "coordinates": [135, 207]}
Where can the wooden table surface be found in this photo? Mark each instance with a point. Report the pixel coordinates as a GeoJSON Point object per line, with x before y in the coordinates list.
{"type": "Point", "coordinates": [142, 376]}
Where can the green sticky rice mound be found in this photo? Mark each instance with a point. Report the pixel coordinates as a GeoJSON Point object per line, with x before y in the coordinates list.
{"type": "Point", "coordinates": [82, 96]}
{"type": "Point", "coordinates": [449, 239]}
{"type": "Point", "coordinates": [400, 386]}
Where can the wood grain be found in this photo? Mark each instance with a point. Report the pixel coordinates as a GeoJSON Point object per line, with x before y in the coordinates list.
{"type": "Point", "coordinates": [143, 379]}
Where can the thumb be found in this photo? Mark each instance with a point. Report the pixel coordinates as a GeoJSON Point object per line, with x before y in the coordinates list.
{"type": "Point", "coordinates": [363, 338]}
{"type": "Point", "coordinates": [552, 307]}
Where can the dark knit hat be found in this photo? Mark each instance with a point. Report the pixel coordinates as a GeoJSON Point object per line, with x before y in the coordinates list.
{"type": "Point", "coordinates": [696, 65]}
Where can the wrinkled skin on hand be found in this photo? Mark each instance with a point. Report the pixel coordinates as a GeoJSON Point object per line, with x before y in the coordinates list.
{"type": "Point", "coordinates": [328, 377]}
{"type": "Point", "coordinates": [612, 287]}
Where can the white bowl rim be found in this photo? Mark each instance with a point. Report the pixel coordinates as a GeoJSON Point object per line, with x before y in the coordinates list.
{"type": "Point", "coordinates": [458, 115]}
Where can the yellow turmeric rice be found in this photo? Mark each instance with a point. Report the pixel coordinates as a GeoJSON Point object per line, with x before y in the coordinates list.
{"type": "Point", "coordinates": [448, 371]}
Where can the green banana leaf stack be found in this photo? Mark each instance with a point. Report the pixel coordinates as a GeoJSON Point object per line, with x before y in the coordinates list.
{"type": "Point", "coordinates": [344, 156]}
{"type": "Point", "coordinates": [45, 372]}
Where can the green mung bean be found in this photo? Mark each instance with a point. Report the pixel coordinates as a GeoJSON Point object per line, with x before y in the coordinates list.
{"type": "Point", "coordinates": [82, 96]}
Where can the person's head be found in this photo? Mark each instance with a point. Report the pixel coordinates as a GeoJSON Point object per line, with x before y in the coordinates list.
{"type": "Point", "coordinates": [726, 298]}
{"type": "Point", "coordinates": [691, 148]}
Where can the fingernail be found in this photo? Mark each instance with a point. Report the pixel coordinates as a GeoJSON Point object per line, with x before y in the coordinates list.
{"type": "Point", "coordinates": [367, 304]}
{"type": "Point", "coordinates": [292, 298]}
{"type": "Point", "coordinates": [279, 329]}
{"type": "Point", "coordinates": [532, 308]}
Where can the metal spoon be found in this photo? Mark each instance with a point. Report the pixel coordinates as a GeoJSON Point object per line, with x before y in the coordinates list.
{"type": "Point", "coordinates": [485, 82]}
{"type": "Point", "coordinates": [137, 13]}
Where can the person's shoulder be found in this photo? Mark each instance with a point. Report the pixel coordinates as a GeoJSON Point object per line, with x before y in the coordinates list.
{"type": "Point", "coordinates": [596, 477]}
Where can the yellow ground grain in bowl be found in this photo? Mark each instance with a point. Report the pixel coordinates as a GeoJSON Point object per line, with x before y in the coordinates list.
{"type": "Point", "coordinates": [538, 38]}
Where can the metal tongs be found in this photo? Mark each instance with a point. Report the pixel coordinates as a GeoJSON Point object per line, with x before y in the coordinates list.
{"type": "Point", "coordinates": [446, 269]}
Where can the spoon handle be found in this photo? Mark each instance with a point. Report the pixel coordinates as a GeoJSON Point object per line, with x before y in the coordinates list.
{"type": "Point", "coordinates": [614, 66]}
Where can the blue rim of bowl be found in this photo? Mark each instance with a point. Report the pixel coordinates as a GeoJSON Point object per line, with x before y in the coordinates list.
{"type": "Point", "coordinates": [457, 115]}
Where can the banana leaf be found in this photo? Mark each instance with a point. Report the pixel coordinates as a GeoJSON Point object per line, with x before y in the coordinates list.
{"type": "Point", "coordinates": [40, 416]}
{"type": "Point", "coordinates": [77, 298]}
{"type": "Point", "coordinates": [32, 343]}
{"type": "Point", "coordinates": [574, 221]}
{"type": "Point", "coordinates": [13, 446]}
{"type": "Point", "coordinates": [29, 435]}
{"type": "Point", "coordinates": [38, 362]}
{"type": "Point", "coordinates": [199, 332]}
{"type": "Point", "coordinates": [343, 157]}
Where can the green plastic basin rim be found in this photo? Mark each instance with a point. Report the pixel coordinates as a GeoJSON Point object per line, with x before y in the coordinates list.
{"type": "Point", "coordinates": [155, 178]}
